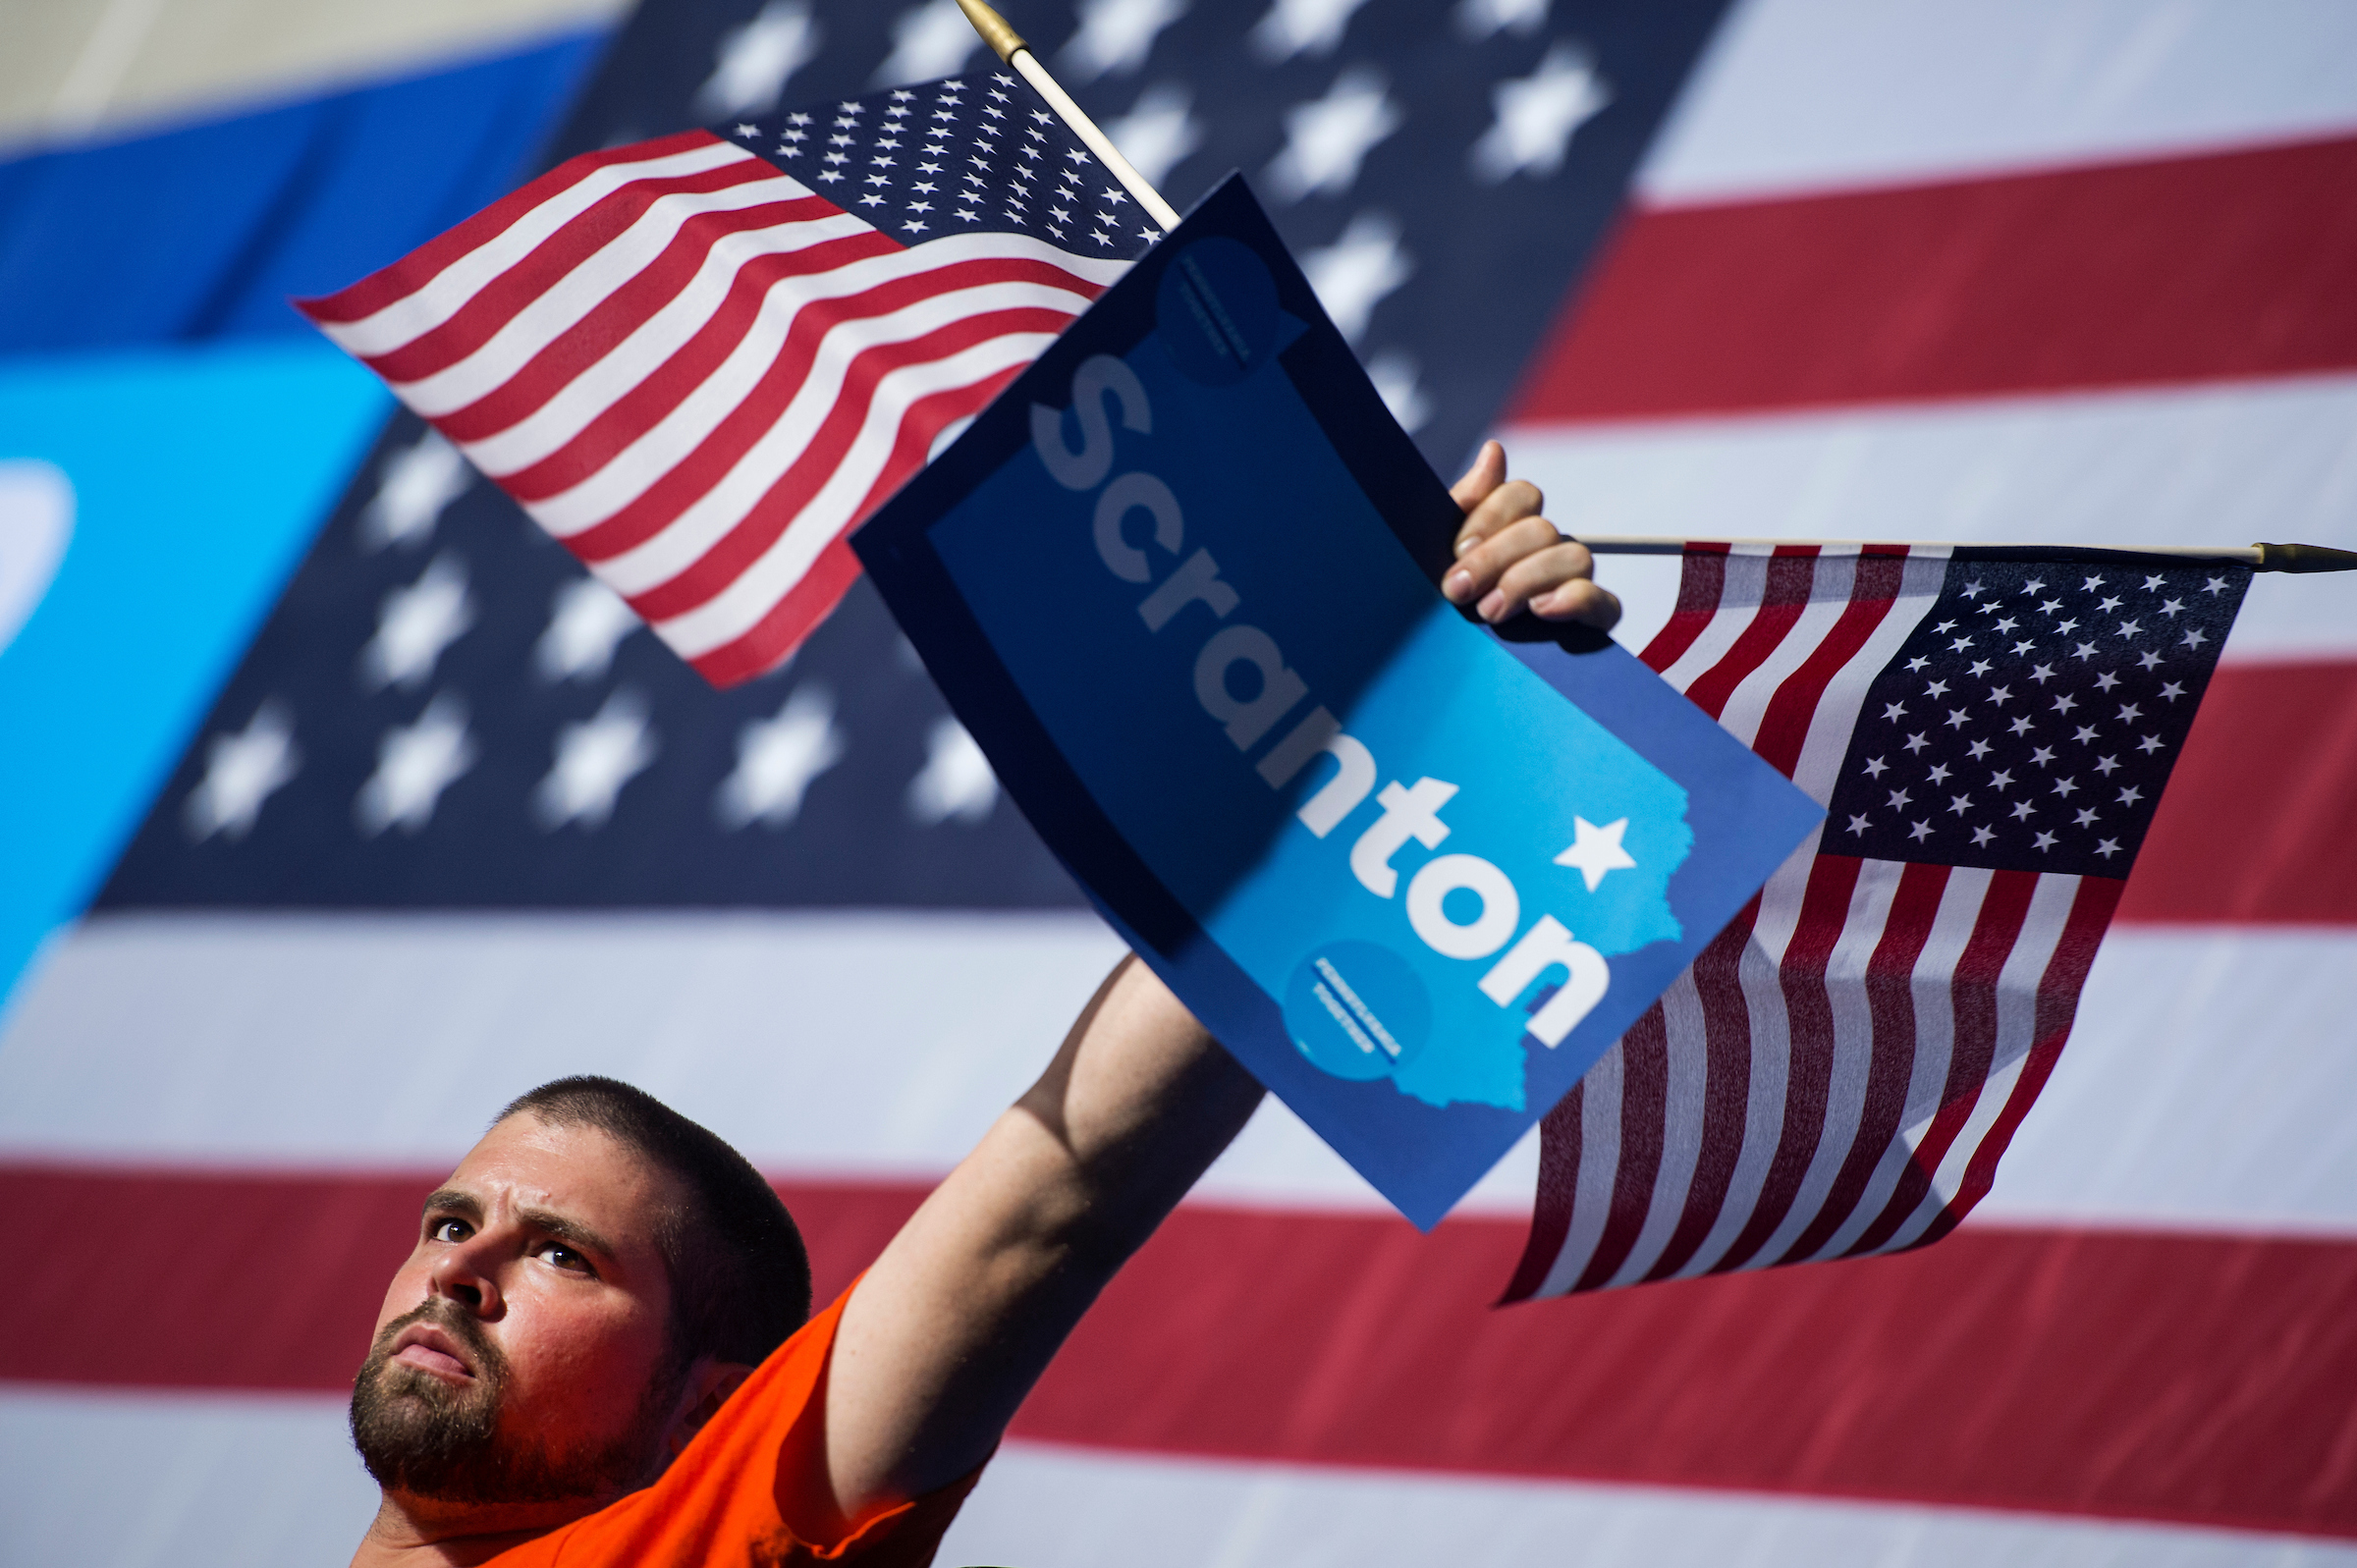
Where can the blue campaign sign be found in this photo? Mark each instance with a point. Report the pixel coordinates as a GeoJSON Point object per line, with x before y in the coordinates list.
{"type": "Point", "coordinates": [1178, 582]}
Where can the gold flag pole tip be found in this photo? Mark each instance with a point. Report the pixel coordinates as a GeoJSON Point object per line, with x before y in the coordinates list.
{"type": "Point", "coordinates": [1002, 39]}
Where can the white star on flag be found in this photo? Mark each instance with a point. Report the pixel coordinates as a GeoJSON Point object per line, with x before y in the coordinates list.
{"type": "Point", "coordinates": [414, 764]}
{"type": "Point", "coordinates": [416, 623]}
{"type": "Point", "coordinates": [1327, 138]}
{"type": "Point", "coordinates": [1538, 113]}
{"type": "Point", "coordinates": [956, 779]}
{"type": "Point", "coordinates": [929, 40]}
{"type": "Point", "coordinates": [1117, 36]}
{"type": "Point", "coordinates": [585, 624]}
{"type": "Point", "coordinates": [1597, 850]}
{"type": "Point", "coordinates": [418, 485]}
{"type": "Point", "coordinates": [1483, 19]}
{"type": "Point", "coordinates": [240, 772]}
{"type": "Point", "coordinates": [1394, 372]}
{"type": "Point", "coordinates": [777, 758]}
{"type": "Point", "coordinates": [1158, 132]}
{"type": "Point", "coordinates": [595, 758]}
{"type": "Point", "coordinates": [1352, 275]}
{"type": "Point", "coordinates": [1302, 27]}
{"type": "Point", "coordinates": [756, 60]}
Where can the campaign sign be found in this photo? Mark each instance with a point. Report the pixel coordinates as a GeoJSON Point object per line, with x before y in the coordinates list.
{"type": "Point", "coordinates": [1178, 581]}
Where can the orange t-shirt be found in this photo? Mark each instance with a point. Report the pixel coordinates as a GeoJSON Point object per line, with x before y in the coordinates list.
{"type": "Point", "coordinates": [747, 1488]}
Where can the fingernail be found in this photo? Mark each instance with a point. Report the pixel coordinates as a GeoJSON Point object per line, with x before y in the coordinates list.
{"type": "Point", "coordinates": [1493, 604]}
{"type": "Point", "coordinates": [1457, 585]}
{"type": "Point", "coordinates": [1467, 543]}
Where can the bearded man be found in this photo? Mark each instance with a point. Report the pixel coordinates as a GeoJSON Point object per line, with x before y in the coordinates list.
{"type": "Point", "coordinates": [597, 1353]}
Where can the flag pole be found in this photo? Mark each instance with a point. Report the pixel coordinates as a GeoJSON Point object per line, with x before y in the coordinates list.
{"type": "Point", "coordinates": [2259, 557]}
{"type": "Point", "coordinates": [1009, 45]}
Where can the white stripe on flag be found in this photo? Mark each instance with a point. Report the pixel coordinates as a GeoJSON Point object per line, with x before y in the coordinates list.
{"type": "Point", "coordinates": [446, 292]}
{"type": "Point", "coordinates": [648, 349]}
{"type": "Point", "coordinates": [550, 313]}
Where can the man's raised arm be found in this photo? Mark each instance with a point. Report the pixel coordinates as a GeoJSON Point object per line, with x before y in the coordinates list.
{"type": "Point", "coordinates": [962, 1312]}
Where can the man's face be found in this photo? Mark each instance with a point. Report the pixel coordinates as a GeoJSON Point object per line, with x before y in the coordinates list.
{"type": "Point", "coordinates": [520, 1353]}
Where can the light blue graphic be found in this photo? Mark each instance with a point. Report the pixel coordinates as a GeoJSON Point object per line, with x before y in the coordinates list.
{"type": "Point", "coordinates": [196, 478]}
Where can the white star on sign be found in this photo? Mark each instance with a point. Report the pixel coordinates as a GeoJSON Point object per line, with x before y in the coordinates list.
{"type": "Point", "coordinates": [1538, 113]}
{"type": "Point", "coordinates": [1483, 19]}
{"type": "Point", "coordinates": [595, 758]}
{"type": "Point", "coordinates": [416, 623]}
{"type": "Point", "coordinates": [1327, 138]}
{"type": "Point", "coordinates": [756, 60]}
{"type": "Point", "coordinates": [414, 764]}
{"type": "Point", "coordinates": [240, 772]}
{"type": "Point", "coordinates": [585, 624]}
{"type": "Point", "coordinates": [413, 490]}
{"type": "Point", "coordinates": [956, 779]}
{"type": "Point", "coordinates": [1301, 27]}
{"type": "Point", "coordinates": [1352, 275]}
{"type": "Point", "coordinates": [1597, 850]}
{"type": "Point", "coordinates": [1158, 132]}
{"type": "Point", "coordinates": [928, 41]}
{"type": "Point", "coordinates": [777, 758]}
{"type": "Point", "coordinates": [1117, 36]}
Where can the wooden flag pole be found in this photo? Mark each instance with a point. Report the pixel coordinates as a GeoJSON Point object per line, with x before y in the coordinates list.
{"type": "Point", "coordinates": [1009, 45]}
{"type": "Point", "coordinates": [2258, 558]}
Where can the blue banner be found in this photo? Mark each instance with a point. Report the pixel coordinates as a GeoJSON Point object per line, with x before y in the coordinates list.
{"type": "Point", "coordinates": [1179, 583]}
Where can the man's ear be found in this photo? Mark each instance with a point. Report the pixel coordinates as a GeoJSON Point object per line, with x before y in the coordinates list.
{"type": "Point", "coordinates": [709, 1383]}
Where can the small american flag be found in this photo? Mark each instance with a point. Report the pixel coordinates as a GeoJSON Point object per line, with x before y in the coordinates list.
{"type": "Point", "coordinates": [699, 361]}
{"type": "Point", "coordinates": [1840, 1071]}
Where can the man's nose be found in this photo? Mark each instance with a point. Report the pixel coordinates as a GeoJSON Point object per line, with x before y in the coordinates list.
{"type": "Point", "coordinates": [466, 1274]}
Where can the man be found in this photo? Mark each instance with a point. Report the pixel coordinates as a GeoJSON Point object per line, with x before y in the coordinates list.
{"type": "Point", "coordinates": [595, 1354]}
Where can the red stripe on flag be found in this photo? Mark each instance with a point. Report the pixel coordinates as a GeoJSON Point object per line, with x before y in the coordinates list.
{"type": "Point", "coordinates": [638, 409]}
{"type": "Point", "coordinates": [1700, 587]}
{"type": "Point", "coordinates": [1644, 1110]}
{"type": "Point", "coordinates": [1725, 1090]}
{"type": "Point", "coordinates": [405, 276]}
{"type": "Point", "coordinates": [1808, 1072]}
{"type": "Point", "coordinates": [766, 522]}
{"type": "Point", "coordinates": [2259, 824]}
{"type": "Point", "coordinates": [1891, 1063]}
{"type": "Point", "coordinates": [1791, 572]}
{"type": "Point", "coordinates": [546, 267]}
{"type": "Point", "coordinates": [2225, 265]}
{"type": "Point", "coordinates": [2191, 1377]}
{"type": "Point", "coordinates": [588, 342]}
{"type": "Point", "coordinates": [1784, 726]}
{"type": "Point", "coordinates": [758, 411]}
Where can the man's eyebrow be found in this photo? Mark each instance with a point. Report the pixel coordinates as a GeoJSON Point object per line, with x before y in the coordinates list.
{"type": "Point", "coordinates": [453, 1201]}
{"type": "Point", "coordinates": [571, 1231]}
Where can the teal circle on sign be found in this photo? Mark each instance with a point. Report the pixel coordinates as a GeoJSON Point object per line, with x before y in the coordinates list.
{"type": "Point", "coordinates": [1357, 1010]}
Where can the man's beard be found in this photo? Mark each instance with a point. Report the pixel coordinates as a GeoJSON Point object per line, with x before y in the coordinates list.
{"type": "Point", "coordinates": [418, 1434]}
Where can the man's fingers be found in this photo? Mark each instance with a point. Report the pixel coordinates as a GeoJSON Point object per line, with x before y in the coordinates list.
{"type": "Point", "coordinates": [1500, 511]}
{"type": "Point", "coordinates": [1517, 571]}
{"type": "Point", "coordinates": [1482, 561]}
{"type": "Point", "coordinates": [1487, 474]}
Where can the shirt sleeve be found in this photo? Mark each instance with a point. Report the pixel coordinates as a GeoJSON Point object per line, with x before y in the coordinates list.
{"type": "Point", "coordinates": [752, 1489]}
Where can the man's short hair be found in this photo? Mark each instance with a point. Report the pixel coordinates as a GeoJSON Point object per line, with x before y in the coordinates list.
{"type": "Point", "coordinates": [739, 1277]}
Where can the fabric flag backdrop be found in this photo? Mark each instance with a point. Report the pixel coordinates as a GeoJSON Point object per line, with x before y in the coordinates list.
{"type": "Point", "coordinates": [455, 826]}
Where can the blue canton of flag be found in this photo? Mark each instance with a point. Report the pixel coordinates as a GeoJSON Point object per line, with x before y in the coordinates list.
{"type": "Point", "coordinates": [2032, 718]}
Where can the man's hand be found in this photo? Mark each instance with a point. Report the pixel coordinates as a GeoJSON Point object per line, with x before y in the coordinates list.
{"type": "Point", "coordinates": [1510, 559]}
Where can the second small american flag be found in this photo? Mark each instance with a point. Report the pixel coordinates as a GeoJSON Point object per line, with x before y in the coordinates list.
{"type": "Point", "coordinates": [699, 361]}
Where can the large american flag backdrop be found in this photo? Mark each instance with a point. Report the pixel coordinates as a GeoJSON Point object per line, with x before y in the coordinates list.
{"type": "Point", "coordinates": [458, 824]}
